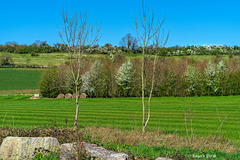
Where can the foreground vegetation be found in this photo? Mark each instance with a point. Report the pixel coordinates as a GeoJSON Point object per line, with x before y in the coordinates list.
{"type": "Point", "coordinates": [125, 113]}
{"type": "Point", "coordinates": [150, 145]}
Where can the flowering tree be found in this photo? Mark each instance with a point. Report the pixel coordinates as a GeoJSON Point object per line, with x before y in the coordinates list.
{"type": "Point", "coordinates": [89, 79]}
{"type": "Point", "coordinates": [193, 79]}
{"type": "Point", "coordinates": [210, 78]}
{"type": "Point", "coordinates": [221, 77]}
{"type": "Point", "coordinates": [124, 77]}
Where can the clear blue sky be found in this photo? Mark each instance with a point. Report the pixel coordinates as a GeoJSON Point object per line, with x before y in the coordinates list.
{"type": "Point", "coordinates": [190, 21]}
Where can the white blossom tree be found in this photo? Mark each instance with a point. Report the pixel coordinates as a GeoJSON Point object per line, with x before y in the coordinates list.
{"type": "Point", "coordinates": [124, 77]}
{"type": "Point", "coordinates": [89, 79]}
{"type": "Point", "coordinates": [221, 76]}
{"type": "Point", "coordinates": [210, 78]}
{"type": "Point", "coordinates": [194, 81]}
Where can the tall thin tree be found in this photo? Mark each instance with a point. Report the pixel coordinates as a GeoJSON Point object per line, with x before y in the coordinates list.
{"type": "Point", "coordinates": [147, 27]}
{"type": "Point", "coordinates": [77, 33]}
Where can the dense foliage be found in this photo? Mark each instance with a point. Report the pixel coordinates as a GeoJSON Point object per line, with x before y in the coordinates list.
{"type": "Point", "coordinates": [128, 44]}
{"type": "Point", "coordinates": [6, 59]}
{"type": "Point", "coordinates": [116, 76]}
{"type": "Point", "coordinates": [36, 47]}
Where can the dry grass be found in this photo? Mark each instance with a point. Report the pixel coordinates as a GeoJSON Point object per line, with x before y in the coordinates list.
{"type": "Point", "coordinates": [158, 138]}
{"type": "Point", "coordinates": [106, 135]}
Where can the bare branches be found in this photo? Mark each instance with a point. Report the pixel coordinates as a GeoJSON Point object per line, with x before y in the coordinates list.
{"type": "Point", "coordinates": [148, 31]}
{"type": "Point", "coordinates": [77, 34]}
{"type": "Point", "coordinates": [146, 26]}
{"type": "Point", "coordinates": [221, 123]}
{"type": "Point", "coordinates": [188, 112]}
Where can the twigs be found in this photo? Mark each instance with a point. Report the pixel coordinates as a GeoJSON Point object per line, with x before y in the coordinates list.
{"type": "Point", "coordinates": [77, 34]}
{"type": "Point", "coordinates": [221, 124]}
{"type": "Point", "coordinates": [147, 28]}
{"type": "Point", "coordinates": [188, 112]}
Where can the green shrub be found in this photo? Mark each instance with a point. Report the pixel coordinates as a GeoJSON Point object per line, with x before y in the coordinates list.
{"type": "Point", "coordinates": [34, 54]}
{"type": "Point", "coordinates": [6, 59]}
{"type": "Point", "coordinates": [54, 81]}
{"type": "Point", "coordinates": [221, 78]}
{"type": "Point", "coordinates": [48, 84]}
{"type": "Point", "coordinates": [168, 83]}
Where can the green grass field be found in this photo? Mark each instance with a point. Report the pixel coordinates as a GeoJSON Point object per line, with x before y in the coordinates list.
{"type": "Point", "coordinates": [125, 113]}
{"type": "Point", "coordinates": [19, 79]}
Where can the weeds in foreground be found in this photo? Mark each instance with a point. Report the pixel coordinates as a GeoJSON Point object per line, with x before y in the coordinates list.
{"type": "Point", "coordinates": [188, 112]}
{"type": "Point", "coordinates": [151, 145]}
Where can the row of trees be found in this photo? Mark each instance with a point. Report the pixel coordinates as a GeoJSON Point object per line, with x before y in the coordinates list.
{"type": "Point", "coordinates": [36, 47]}
{"type": "Point", "coordinates": [128, 44]}
{"type": "Point", "coordinates": [119, 77]}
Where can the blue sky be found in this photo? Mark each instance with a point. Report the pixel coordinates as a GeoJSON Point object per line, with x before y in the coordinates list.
{"type": "Point", "coordinates": [190, 21]}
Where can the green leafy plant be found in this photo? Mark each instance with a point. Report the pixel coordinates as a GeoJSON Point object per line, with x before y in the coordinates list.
{"type": "Point", "coordinates": [6, 58]}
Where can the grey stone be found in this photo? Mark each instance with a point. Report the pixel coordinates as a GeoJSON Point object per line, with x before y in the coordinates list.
{"type": "Point", "coordinates": [68, 152]}
{"type": "Point", "coordinates": [26, 147]}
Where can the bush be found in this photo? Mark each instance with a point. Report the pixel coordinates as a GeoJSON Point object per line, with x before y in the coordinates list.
{"type": "Point", "coordinates": [47, 84]}
{"type": "Point", "coordinates": [34, 54]}
{"type": "Point", "coordinates": [124, 77]}
{"type": "Point", "coordinates": [54, 81]}
{"type": "Point", "coordinates": [90, 79]}
{"type": "Point", "coordinates": [221, 78]}
{"type": "Point", "coordinates": [210, 79]}
{"type": "Point", "coordinates": [193, 81]}
{"type": "Point", "coordinates": [167, 86]}
{"type": "Point", "coordinates": [6, 59]}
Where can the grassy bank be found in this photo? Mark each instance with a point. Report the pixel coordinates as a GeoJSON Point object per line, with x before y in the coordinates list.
{"type": "Point", "coordinates": [46, 59]}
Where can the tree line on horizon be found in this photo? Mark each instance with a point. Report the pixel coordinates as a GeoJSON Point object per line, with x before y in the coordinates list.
{"type": "Point", "coordinates": [127, 44]}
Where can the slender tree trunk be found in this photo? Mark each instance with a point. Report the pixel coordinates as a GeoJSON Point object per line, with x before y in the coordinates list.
{"type": "Point", "coordinates": [151, 90]}
{"type": "Point", "coordinates": [143, 87]}
{"type": "Point", "coordinates": [77, 109]}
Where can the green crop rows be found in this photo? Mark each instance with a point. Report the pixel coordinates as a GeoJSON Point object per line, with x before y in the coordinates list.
{"type": "Point", "coordinates": [126, 113]}
{"type": "Point", "coordinates": [19, 79]}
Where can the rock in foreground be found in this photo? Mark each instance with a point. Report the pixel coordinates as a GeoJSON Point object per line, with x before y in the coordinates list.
{"type": "Point", "coordinates": [68, 150]}
{"type": "Point", "coordinates": [27, 147]}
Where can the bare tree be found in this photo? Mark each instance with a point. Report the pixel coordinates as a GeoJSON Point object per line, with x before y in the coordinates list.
{"type": "Point", "coordinates": [134, 43]}
{"type": "Point", "coordinates": [148, 32]}
{"type": "Point", "coordinates": [77, 33]}
{"type": "Point", "coordinates": [128, 41]}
